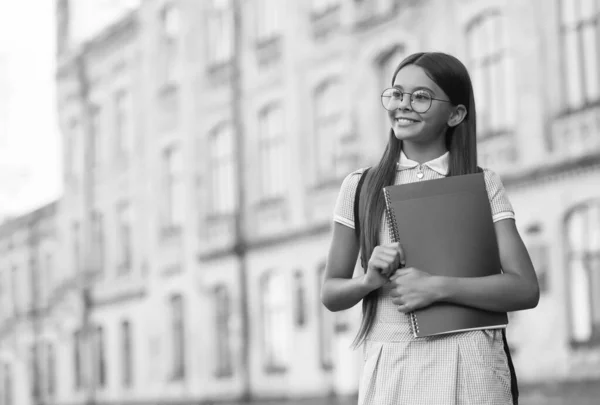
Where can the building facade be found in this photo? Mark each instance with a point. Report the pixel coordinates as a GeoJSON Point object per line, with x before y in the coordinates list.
{"type": "Point", "coordinates": [28, 277]}
{"type": "Point", "coordinates": [205, 143]}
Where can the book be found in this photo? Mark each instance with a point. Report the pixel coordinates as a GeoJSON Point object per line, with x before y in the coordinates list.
{"type": "Point", "coordinates": [445, 227]}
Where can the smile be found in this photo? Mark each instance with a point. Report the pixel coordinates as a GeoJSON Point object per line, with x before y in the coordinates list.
{"type": "Point", "coordinates": [405, 121]}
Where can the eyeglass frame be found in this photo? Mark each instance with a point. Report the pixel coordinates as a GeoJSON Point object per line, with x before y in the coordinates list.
{"type": "Point", "coordinates": [411, 101]}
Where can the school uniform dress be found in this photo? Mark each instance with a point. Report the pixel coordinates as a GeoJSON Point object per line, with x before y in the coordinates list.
{"type": "Point", "coordinates": [468, 368]}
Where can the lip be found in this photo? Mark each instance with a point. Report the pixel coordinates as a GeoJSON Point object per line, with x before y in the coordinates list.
{"type": "Point", "coordinates": [406, 118]}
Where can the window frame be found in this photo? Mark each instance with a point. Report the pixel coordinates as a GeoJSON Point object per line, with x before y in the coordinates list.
{"type": "Point", "coordinates": [127, 354]}
{"type": "Point", "coordinates": [124, 237]}
{"type": "Point", "coordinates": [219, 33]}
{"type": "Point", "coordinates": [169, 42]}
{"type": "Point", "coordinates": [272, 150]}
{"type": "Point", "coordinates": [275, 354]}
{"type": "Point", "coordinates": [587, 255]}
{"type": "Point", "coordinates": [324, 121]}
{"type": "Point", "coordinates": [496, 57]}
{"type": "Point", "coordinates": [580, 23]}
{"type": "Point", "coordinates": [223, 333]}
{"type": "Point", "coordinates": [177, 337]}
{"type": "Point", "coordinates": [222, 201]}
{"type": "Point", "coordinates": [326, 325]}
{"type": "Point", "coordinates": [174, 198]}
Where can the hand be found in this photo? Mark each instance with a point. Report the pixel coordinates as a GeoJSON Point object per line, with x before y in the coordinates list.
{"type": "Point", "coordinates": [414, 289]}
{"type": "Point", "coordinates": [384, 261]}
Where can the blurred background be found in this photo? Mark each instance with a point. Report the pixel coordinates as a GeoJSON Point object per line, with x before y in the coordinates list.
{"type": "Point", "coordinates": [168, 170]}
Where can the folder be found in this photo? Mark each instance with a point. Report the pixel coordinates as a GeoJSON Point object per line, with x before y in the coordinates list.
{"type": "Point", "coordinates": [445, 227]}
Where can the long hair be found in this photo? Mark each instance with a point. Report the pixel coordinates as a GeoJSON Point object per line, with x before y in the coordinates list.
{"type": "Point", "coordinates": [453, 78]}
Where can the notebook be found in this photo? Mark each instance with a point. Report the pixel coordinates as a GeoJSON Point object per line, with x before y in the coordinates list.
{"type": "Point", "coordinates": [445, 227]}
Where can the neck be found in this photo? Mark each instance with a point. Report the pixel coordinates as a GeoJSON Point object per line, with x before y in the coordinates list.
{"type": "Point", "coordinates": [423, 152]}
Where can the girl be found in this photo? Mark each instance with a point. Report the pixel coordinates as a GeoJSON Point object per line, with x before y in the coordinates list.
{"type": "Point", "coordinates": [432, 117]}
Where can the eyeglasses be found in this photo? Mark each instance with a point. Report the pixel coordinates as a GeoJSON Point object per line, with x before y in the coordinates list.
{"type": "Point", "coordinates": [420, 100]}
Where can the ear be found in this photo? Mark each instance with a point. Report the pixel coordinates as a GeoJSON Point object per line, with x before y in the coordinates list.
{"type": "Point", "coordinates": [457, 116]}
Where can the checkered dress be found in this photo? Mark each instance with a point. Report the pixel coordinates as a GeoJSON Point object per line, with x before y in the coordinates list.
{"type": "Point", "coordinates": [457, 369]}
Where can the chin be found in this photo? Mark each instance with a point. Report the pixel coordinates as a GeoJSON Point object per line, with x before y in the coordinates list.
{"type": "Point", "coordinates": [403, 134]}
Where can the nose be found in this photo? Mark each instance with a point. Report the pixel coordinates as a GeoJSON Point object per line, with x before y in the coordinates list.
{"type": "Point", "coordinates": [405, 102]}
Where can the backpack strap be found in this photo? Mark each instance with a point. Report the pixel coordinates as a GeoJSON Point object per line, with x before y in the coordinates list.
{"type": "Point", "coordinates": [356, 207]}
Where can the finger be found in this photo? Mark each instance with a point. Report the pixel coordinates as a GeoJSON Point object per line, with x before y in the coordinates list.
{"type": "Point", "coordinates": [392, 260]}
{"type": "Point", "coordinates": [404, 308]}
{"type": "Point", "coordinates": [401, 254]}
{"type": "Point", "coordinates": [380, 265]}
{"type": "Point", "coordinates": [398, 251]}
{"type": "Point", "coordinates": [402, 272]}
{"type": "Point", "coordinates": [397, 300]}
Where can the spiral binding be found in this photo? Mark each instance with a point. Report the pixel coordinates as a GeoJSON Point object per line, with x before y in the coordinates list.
{"type": "Point", "coordinates": [391, 218]}
{"type": "Point", "coordinates": [393, 229]}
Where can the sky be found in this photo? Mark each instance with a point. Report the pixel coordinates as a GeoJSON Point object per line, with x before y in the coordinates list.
{"type": "Point", "coordinates": [29, 136]}
{"type": "Point", "coordinates": [30, 141]}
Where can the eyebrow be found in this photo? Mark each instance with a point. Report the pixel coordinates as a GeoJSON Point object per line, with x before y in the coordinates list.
{"type": "Point", "coordinates": [397, 86]}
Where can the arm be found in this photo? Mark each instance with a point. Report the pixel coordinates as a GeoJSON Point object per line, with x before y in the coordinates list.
{"type": "Point", "coordinates": [340, 291]}
{"type": "Point", "coordinates": [515, 289]}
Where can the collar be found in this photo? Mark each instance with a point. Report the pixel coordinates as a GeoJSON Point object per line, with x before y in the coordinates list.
{"type": "Point", "coordinates": [439, 164]}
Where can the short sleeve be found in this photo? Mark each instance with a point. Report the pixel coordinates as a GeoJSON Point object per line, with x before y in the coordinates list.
{"type": "Point", "coordinates": [499, 203]}
{"type": "Point", "coordinates": [344, 205]}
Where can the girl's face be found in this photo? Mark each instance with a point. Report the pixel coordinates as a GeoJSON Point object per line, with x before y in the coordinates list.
{"type": "Point", "coordinates": [419, 127]}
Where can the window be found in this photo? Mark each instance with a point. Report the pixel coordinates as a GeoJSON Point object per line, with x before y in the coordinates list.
{"type": "Point", "coordinates": [276, 323]}
{"type": "Point", "coordinates": [223, 330]}
{"type": "Point", "coordinates": [7, 385]}
{"type": "Point", "coordinates": [96, 136]}
{"type": "Point", "coordinates": [100, 357]}
{"type": "Point", "coordinates": [171, 31]}
{"type": "Point", "coordinates": [300, 298]}
{"type": "Point", "coordinates": [173, 181]}
{"type": "Point", "coordinates": [16, 288]}
{"type": "Point", "coordinates": [98, 241]}
{"type": "Point", "coordinates": [3, 304]}
{"type": "Point", "coordinates": [70, 152]}
{"type": "Point", "coordinates": [490, 69]}
{"type": "Point", "coordinates": [122, 124]}
{"type": "Point", "coordinates": [220, 32]}
{"type": "Point", "coordinates": [126, 355]}
{"type": "Point", "coordinates": [326, 327]}
{"type": "Point", "coordinates": [77, 360]}
{"type": "Point", "coordinates": [579, 35]}
{"type": "Point", "coordinates": [539, 252]}
{"type": "Point", "coordinates": [34, 281]}
{"type": "Point", "coordinates": [124, 237]}
{"type": "Point", "coordinates": [50, 369]}
{"type": "Point", "coordinates": [34, 372]}
{"type": "Point", "coordinates": [328, 132]}
{"type": "Point", "coordinates": [76, 247]}
{"type": "Point", "coordinates": [268, 20]}
{"type": "Point", "coordinates": [272, 153]}
{"type": "Point", "coordinates": [223, 176]}
{"type": "Point", "coordinates": [49, 275]}
{"type": "Point", "coordinates": [178, 338]}
{"type": "Point", "coordinates": [583, 257]}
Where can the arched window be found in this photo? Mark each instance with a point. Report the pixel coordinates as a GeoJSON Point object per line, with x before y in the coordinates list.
{"type": "Point", "coordinates": [272, 153]}
{"type": "Point", "coordinates": [220, 32]}
{"type": "Point", "coordinates": [579, 28]}
{"type": "Point", "coordinates": [276, 321]}
{"type": "Point", "coordinates": [328, 109]}
{"type": "Point", "coordinates": [491, 72]}
{"type": "Point", "coordinates": [582, 227]}
{"type": "Point", "coordinates": [223, 331]}
{"type": "Point", "coordinates": [326, 326]}
{"type": "Point", "coordinates": [222, 171]}
{"type": "Point", "coordinates": [299, 298]}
